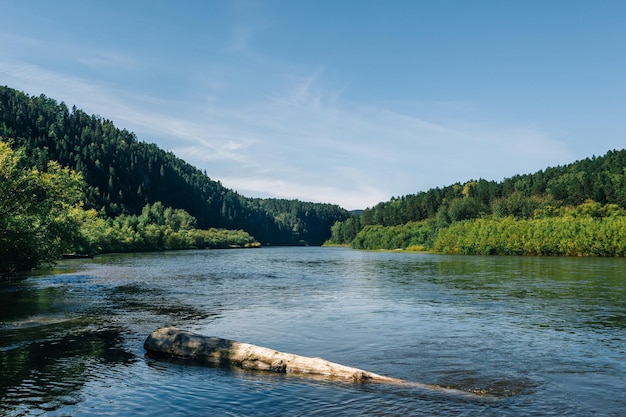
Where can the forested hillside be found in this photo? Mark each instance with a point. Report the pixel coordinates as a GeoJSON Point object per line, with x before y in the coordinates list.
{"type": "Point", "coordinates": [136, 197]}
{"type": "Point", "coordinates": [532, 207]}
{"type": "Point", "coordinates": [42, 217]}
{"type": "Point", "coordinates": [124, 174]}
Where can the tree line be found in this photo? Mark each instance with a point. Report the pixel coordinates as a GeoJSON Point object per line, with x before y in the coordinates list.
{"type": "Point", "coordinates": [524, 214]}
{"type": "Point", "coordinates": [37, 211]}
{"type": "Point", "coordinates": [566, 235]}
{"type": "Point", "coordinates": [157, 228]}
{"type": "Point", "coordinates": [123, 174]}
{"type": "Point", "coordinates": [42, 217]}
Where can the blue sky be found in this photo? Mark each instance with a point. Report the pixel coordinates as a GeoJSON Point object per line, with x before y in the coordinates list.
{"type": "Point", "coordinates": [346, 102]}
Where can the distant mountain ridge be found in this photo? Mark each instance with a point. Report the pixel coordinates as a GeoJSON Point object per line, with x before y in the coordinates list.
{"type": "Point", "coordinates": [123, 174]}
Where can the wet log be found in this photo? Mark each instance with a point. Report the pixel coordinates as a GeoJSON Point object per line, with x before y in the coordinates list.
{"type": "Point", "coordinates": [177, 343]}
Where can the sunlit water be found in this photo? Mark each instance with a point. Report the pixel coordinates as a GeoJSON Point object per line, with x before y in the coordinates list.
{"type": "Point", "coordinates": [542, 336]}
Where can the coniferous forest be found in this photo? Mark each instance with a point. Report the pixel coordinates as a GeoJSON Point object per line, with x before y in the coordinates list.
{"type": "Point", "coordinates": [73, 182]}
{"type": "Point", "coordinates": [122, 179]}
{"type": "Point", "coordinates": [572, 210]}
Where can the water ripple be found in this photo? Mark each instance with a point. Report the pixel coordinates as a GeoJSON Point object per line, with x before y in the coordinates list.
{"type": "Point", "coordinates": [543, 336]}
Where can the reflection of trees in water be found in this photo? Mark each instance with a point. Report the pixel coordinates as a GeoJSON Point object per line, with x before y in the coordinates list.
{"type": "Point", "coordinates": [142, 298]}
{"type": "Point", "coordinates": [47, 374]}
{"type": "Point", "coordinates": [57, 330]}
{"type": "Point", "coordinates": [572, 292]}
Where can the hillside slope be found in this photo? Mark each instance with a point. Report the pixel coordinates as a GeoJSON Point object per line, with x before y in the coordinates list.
{"type": "Point", "coordinates": [601, 179]}
{"type": "Point", "coordinates": [123, 174]}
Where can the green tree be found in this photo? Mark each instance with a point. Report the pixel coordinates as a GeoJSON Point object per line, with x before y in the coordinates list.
{"type": "Point", "coordinates": [39, 212]}
{"type": "Point", "coordinates": [123, 174]}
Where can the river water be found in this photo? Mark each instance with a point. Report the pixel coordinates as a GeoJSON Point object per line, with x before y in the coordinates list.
{"type": "Point", "coordinates": [540, 336]}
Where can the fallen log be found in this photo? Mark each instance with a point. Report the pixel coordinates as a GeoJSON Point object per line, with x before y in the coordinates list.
{"type": "Point", "coordinates": [177, 343]}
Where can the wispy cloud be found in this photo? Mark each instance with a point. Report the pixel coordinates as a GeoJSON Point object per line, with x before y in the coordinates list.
{"type": "Point", "coordinates": [284, 188]}
{"type": "Point", "coordinates": [109, 59]}
{"type": "Point", "coordinates": [307, 141]}
{"type": "Point", "coordinates": [21, 48]}
{"type": "Point", "coordinates": [36, 80]}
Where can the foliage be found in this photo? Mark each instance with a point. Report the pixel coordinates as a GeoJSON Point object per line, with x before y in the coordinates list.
{"type": "Point", "coordinates": [589, 229]}
{"type": "Point", "coordinates": [299, 219]}
{"type": "Point", "coordinates": [590, 191]}
{"type": "Point", "coordinates": [521, 207]}
{"type": "Point", "coordinates": [123, 174]}
{"type": "Point", "coordinates": [601, 179]}
{"type": "Point", "coordinates": [157, 228]}
{"type": "Point", "coordinates": [41, 217]}
{"type": "Point", "coordinates": [38, 211]}
{"type": "Point", "coordinates": [414, 234]}
{"type": "Point", "coordinates": [566, 236]}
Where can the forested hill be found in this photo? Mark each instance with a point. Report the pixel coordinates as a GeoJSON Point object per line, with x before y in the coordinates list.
{"type": "Point", "coordinates": [600, 179]}
{"type": "Point", "coordinates": [123, 174]}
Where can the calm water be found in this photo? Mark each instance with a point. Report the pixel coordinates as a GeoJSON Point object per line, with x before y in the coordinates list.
{"type": "Point", "coordinates": [544, 336]}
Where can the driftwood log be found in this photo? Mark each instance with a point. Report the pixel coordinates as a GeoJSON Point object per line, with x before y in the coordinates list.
{"type": "Point", "coordinates": [177, 343]}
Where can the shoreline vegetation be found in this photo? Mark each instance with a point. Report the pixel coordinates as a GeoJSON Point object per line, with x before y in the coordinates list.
{"type": "Point", "coordinates": [71, 182]}
{"type": "Point", "coordinates": [75, 184]}
{"type": "Point", "coordinates": [574, 233]}
{"type": "Point", "coordinates": [42, 217]}
{"type": "Point", "coordinates": [121, 174]}
{"type": "Point", "coordinates": [573, 210]}
{"type": "Point", "coordinates": [156, 229]}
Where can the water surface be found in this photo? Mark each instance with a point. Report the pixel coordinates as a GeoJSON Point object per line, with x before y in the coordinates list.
{"type": "Point", "coordinates": [542, 336]}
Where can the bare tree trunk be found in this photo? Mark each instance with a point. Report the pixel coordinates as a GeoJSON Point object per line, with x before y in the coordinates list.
{"type": "Point", "coordinates": [178, 343]}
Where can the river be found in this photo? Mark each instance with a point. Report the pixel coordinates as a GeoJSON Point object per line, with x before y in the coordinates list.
{"type": "Point", "coordinates": [541, 336]}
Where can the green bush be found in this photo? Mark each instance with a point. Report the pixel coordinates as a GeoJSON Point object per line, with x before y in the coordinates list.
{"type": "Point", "coordinates": [552, 236]}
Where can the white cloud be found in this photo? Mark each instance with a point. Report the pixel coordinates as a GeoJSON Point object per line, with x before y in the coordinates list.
{"type": "Point", "coordinates": [20, 47]}
{"type": "Point", "coordinates": [307, 141]}
{"type": "Point", "coordinates": [283, 188]}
